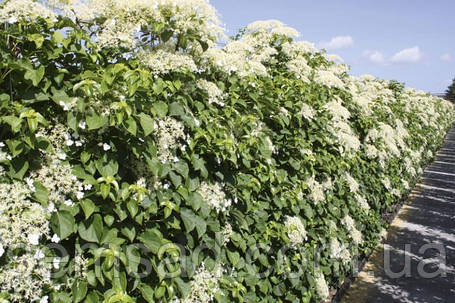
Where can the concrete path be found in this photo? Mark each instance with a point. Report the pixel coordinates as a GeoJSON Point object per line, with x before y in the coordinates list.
{"type": "Point", "coordinates": [416, 263]}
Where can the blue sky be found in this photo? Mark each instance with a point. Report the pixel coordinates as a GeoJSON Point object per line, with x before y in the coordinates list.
{"type": "Point", "coordinates": [412, 41]}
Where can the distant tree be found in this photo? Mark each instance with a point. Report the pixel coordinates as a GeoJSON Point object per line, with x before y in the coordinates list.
{"type": "Point", "coordinates": [450, 92]}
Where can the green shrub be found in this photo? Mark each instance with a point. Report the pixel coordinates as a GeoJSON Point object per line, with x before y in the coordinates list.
{"type": "Point", "coordinates": [142, 162]}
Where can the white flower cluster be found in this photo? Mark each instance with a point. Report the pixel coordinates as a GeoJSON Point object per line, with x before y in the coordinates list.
{"type": "Point", "coordinates": [307, 111]}
{"type": "Point", "coordinates": [79, 271]}
{"type": "Point", "coordinates": [345, 136]}
{"type": "Point", "coordinates": [322, 289]}
{"type": "Point", "coordinates": [215, 94]}
{"type": "Point", "coordinates": [391, 140]}
{"type": "Point", "coordinates": [272, 27]}
{"type": "Point", "coordinates": [214, 196]}
{"type": "Point", "coordinates": [123, 20]}
{"type": "Point", "coordinates": [22, 221]}
{"type": "Point", "coordinates": [295, 230]}
{"type": "Point", "coordinates": [59, 180]}
{"type": "Point", "coordinates": [337, 110]}
{"type": "Point", "coordinates": [352, 183]}
{"type": "Point", "coordinates": [348, 140]}
{"type": "Point", "coordinates": [328, 78]}
{"type": "Point", "coordinates": [300, 68]}
{"type": "Point", "coordinates": [25, 277]}
{"type": "Point", "coordinates": [204, 285]}
{"type": "Point", "coordinates": [163, 61]}
{"type": "Point", "coordinates": [296, 48]}
{"type": "Point", "coordinates": [226, 232]}
{"type": "Point", "coordinates": [339, 251]}
{"type": "Point", "coordinates": [316, 190]}
{"type": "Point", "coordinates": [169, 133]}
{"type": "Point", "coordinates": [247, 55]}
{"type": "Point", "coordinates": [354, 233]}
{"type": "Point", "coordinates": [13, 11]}
{"type": "Point", "coordinates": [363, 203]}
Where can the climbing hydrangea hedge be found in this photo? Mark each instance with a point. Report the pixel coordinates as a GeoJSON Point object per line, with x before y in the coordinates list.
{"type": "Point", "coordinates": [141, 160]}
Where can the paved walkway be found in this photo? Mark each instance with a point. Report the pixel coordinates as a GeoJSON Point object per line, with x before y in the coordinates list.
{"type": "Point", "coordinates": [416, 264]}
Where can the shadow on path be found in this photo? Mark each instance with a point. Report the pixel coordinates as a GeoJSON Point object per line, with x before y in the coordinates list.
{"type": "Point", "coordinates": [416, 262]}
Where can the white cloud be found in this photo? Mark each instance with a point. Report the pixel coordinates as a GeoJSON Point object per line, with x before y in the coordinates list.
{"type": "Point", "coordinates": [337, 42]}
{"type": "Point", "coordinates": [374, 56]}
{"type": "Point", "coordinates": [407, 55]}
{"type": "Point", "coordinates": [446, 57]}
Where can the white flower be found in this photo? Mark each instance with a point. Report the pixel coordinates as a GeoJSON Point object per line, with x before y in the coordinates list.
{"type": "Point", "coordinates": [39, 254]}
{"type": "Point", "coordinates": [69, 142]}
{"type": "Point", "coordinates": [61, 156]}
{"type": "Point", "coordinates": [106, 146]}
{"type": "Point", "coordinates": [68, 202]}
{"type": "Point", "coordinates": [44, 299]}
{"type": "Point", "coordinates": [78, 143]}
{"type": "Point", "coordinates": [82, 125]}
{"type": "Point", "coordinates": [87, 186]}
{"type": "Point", "coordinates": [51, 208]}
{"type": "Point", "coordinates": [2, 250]}
{"type": "Point", "coordinates": [9, 157]}
{"type": "Point", "coordinates": [12, 20]}
{"type": "Point", "coordinates": [56, 263]}
{"type": "Point", "coordinates": [30, 184]}
{"type": "Point", "coordinates": [295, 230]}
{"type": "Point", "coordinates": [79, 195]}
{"type": "Point", "coordinates": [64, 105]}
{"type": "Point", "coordinates": [33, 239]}
{"type": "Point", "coordinates": [55, 238]}
{"type": "Point", "coordinates": [321, 285]}
{"type": "Point", "coordinates": [2, 144]}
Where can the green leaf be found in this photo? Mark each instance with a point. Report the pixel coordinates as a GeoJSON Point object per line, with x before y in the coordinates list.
{"type": "Point", "coordinates": [152, 238]}
{"type": "Point", "coordinates": [62, 223]}
{"type": "Point", "coordinates": [14, 122]}
{"type": "Point", "coordinates": [37, 38]}
{"type": "Point", "coordinates": [79, 290]}
{"type": "Point", "coordinates": [96, 121]}
{"type": "Point", "coordinates": [176, 109]}
{"type": "Point", "coordinates": [91, 230]}
{"type": "Point", "coordinates": [233, 257]}
{"type": "Point", "coordinates": [129, 232]}
{"type": "Point", "coordinates": [92, 298]}
{"type": "Point", "coordinates": [18, 168]}
{"type": "Point", "coordinates": [41, 193]}
{"type": "Point", "coordinates": [158, 86]}
{"type": "Point", "coordinates": [71, 120]}
{"type": "Point", "coordinates": [57, 37]}
{"type": "Point", "coordinates": [35, 75]}
{"type": "Point", "coordinates": [160, 108]}
{"type": "Point", "coordinates": [147, 123]}
{"type": "Point", "coordinates": [131, 126]}
{"type": "Point", "coordinates": [88, 207]}
{"type": "Point", "coordinates": [147, 293]}
{"type": "Point", "coordinates": [105, 189]}
{"type": "Point", "coordinates": [166, 35]}
{"type": "Point", "coordinates": [60, 297]}
{"type": "Point", "coordinates": [132, 207]}
{"type": "Point", "coordinates": [15, 146]}
{"type": "Point", "coordinates": [107, 169]}
{"type": "Point", "coordinates": [191, 221]}
{"type": "Point", "coordinates": [176, 179]}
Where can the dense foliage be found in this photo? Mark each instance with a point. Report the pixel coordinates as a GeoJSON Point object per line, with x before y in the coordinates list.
{"type": "Point", "coordinates": [450, 92]}
{"type": "Point", "coordinates": [142, 162]}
